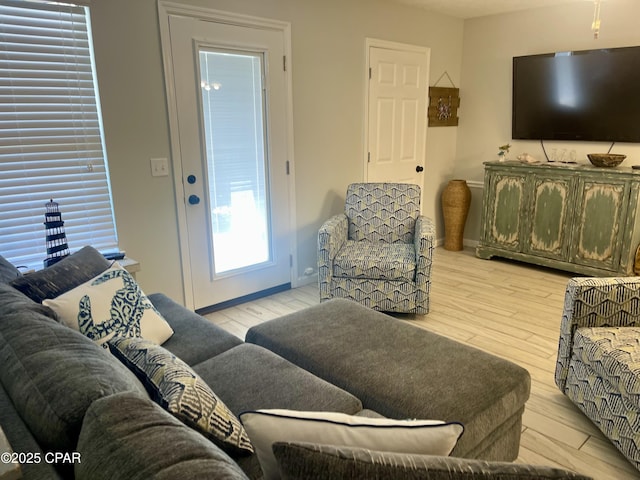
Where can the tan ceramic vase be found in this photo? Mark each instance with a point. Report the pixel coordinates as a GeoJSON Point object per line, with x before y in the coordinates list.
{"type": "Point", "coordinates": [456, 198]}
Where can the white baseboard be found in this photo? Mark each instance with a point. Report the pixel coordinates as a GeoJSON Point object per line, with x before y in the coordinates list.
{"type": "Point", "coordinates": [305, 280]}
{"type": "Point", "coordinates": [467, 242]}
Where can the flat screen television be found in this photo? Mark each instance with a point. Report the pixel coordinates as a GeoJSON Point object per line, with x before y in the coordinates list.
{"type": "Point", "coordinates": [590, 95]}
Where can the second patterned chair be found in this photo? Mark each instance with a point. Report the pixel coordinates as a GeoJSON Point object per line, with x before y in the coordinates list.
{"type": "Point", "coordinates": [379, 251]}
{"type": "Point", "coordinates": [598, 364]}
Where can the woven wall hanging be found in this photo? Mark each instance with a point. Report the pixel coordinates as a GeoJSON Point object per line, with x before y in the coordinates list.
{"type": "Point", "coordinates": [443, 104]}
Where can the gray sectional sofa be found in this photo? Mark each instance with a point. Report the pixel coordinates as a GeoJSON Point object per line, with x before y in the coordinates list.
{"type": "Point", "coordinates": [60, 392]}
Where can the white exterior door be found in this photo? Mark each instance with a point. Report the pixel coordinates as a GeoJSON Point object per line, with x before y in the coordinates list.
{"type": "Point", "coordinates": [230, 90]}
{"type": "Point", "coordinates": [397, 113]}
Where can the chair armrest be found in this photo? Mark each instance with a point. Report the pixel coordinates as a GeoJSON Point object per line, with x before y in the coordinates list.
{"type": "Point", "coordinates": [424, 236]}
{"type": "Point", "coordinates": [595, 302]}
{"type": "Point", "coordinates": [423, 242]}
{"type": "Point", "coordinates": [331, 237]}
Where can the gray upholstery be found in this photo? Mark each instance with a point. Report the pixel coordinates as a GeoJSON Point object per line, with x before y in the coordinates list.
{"type": "Point", "coordinates": [128, 436]}
{"type": "Point", "coordinates": [53, 373]}
{"type": "Point", "coordinates": [21, 440]}
{"type": "Point", "coordinates": [63, 276]}
{"type": "Point", "coordinates": [417, 374]}
{"type": "Point", "coordinates": [303, 461]}
{"type": "Point", "coordinates": [59, 390]}
{"type": "Point", "coordinates": [12, 301]}
{"type": "Point", "coordinates": [8, 271]}
{"type": "Point", "coordinates": [195, 339]}
{"type": "Point", "coordinates": [249, 377]}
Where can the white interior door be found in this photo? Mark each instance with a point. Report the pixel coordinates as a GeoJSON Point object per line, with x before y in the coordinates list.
{"type": "Point", "coordinates": [230, 93]}
{"type": "Point", "coordinates": [397, 113]}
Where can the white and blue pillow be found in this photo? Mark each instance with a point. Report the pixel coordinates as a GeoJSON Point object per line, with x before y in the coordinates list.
{"type": "Point", "coordinates": [111, 304]}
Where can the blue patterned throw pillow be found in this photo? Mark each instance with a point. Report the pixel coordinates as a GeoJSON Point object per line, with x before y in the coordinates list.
{"type": "Point", "coordinates": [111, 304]}
{"type": "Point", "coordinates": [178, 389]}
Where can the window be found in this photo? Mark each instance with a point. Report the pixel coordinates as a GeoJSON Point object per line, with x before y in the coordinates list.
{"type": "Point", "coordinates": [51, 140]}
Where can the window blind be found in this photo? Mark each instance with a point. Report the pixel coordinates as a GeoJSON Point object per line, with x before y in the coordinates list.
{"type": "Point", "coordinates": [51, 141]}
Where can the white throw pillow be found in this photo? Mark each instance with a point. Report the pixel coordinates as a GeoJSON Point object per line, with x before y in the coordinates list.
{"type": "Point", "coordinates": [265, 427]}
{"type": "Point", "coordinates": [111, 304]}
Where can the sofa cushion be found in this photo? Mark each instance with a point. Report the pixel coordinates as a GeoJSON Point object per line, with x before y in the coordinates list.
{"type": "Point", "coordinates": [53, 374]}
{"type": "Point", "coordinates": [249, 377]}
{"type": "Point", "coordinates": [12, 301]}
{"type": "Point", "coordinates": [614, 355]}
{"type": "Point", "coordinates": [110, 304]}
{"type": "Point", "coordinates": [267, 427]}
{"type": "Point", "coordinates": [178, 389]}
{"type": "Point", "coordinates": [21, 440]}
{"type": "Point", "coordinates": [382, 261]}
{"type": "Point", "coordinates": [303, 461]}
{"type": "Point", "coordinates": [190, 329]}
{"type": "Point", "coordinates": [61, 277]}
{"type": "Point", "coordinates": [8, 271]}
{"type": "Point", "coordinates": [127, 436]}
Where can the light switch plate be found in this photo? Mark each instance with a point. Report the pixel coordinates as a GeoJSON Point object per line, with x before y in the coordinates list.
{"type": "Point", "coordinates": [159, 167]}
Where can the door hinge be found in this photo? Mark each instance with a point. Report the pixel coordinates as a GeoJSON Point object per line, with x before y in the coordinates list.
{"type": "Point", "coordinates": [369, 73]}
{"type": "Point", "coordinates": [368, 157]}
{"type": "Point", "coordinates": [287, 167]}
{"type": "Point", "coordinates": [284, 63]}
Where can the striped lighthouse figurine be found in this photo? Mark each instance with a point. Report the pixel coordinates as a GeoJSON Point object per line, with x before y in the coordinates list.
{"type": "Point", "coordinates": [56, 239]}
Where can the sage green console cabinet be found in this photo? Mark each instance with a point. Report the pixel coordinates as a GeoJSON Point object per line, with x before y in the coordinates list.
{"type": "Point", "coordinates": [577, 218]}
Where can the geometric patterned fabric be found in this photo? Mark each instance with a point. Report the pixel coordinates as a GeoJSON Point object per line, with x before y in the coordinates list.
{"type": "Point", "coordinates": [613, 353]}
{"type": "Point", "coordinates": [379, 252]}
{"type": "Point", "coordinates": [598, 364]}
{"type": "Point", "coordinates": [384, 261]}
{"type": "Point", "coordinates": [110, 304]}
{"type": "Point", "coordinates": [178, 389]}
{"type": "Point", "coordinates": [382, 212]}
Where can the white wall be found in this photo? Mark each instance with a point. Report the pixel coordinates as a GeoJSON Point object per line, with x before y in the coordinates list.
{"type": "Point", "coordinates": [490, 43]}
{"type": "Point", "coordinates": [328, 39]}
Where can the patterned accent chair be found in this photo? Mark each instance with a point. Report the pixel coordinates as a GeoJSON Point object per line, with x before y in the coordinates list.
{"type": "Point", "coordinates": [598, 365]}
{"type": "Point", "coordinates": [379, 251]}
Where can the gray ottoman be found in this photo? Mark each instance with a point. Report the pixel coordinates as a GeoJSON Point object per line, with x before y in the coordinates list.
{"type": "Point", "coordinates": [402, 371]}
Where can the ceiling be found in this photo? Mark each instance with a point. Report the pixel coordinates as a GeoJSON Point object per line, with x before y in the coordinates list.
{"type": "Point", "coordinates": [480, 8]}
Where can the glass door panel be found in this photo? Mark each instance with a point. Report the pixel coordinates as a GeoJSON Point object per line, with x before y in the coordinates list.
{"type": "Point", "coordinates": [233, 109]}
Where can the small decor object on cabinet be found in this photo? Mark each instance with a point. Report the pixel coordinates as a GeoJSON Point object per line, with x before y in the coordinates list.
{"type": "Point", "coordinates": [502, 153]}
{"type": "Point", "coordinates": [456, 199]}
{"type": "Point", "coordinates": [526, 158]}
{"type": "Point", "coordinates": [606, 159]}
{"type": "Point", "coordinates": [56, 238]}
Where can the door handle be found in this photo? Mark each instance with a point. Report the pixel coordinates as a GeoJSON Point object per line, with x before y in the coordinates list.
{"type": "Point", "coordinates": [194, 199]}
{"type": "Point", "coordinates": [419, 168]}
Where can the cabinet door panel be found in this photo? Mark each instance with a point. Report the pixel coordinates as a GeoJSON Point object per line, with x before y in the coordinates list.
{"type": "Point", "coordinates": [548, 235]}
{"type": "Point", "coordinates": [602, 207]}
{"type": "Point", "coordinates": [505, 214]}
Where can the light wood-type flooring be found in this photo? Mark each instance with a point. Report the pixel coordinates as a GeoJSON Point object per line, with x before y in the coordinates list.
{"type": "Point", "coordinates": [510, 309]}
